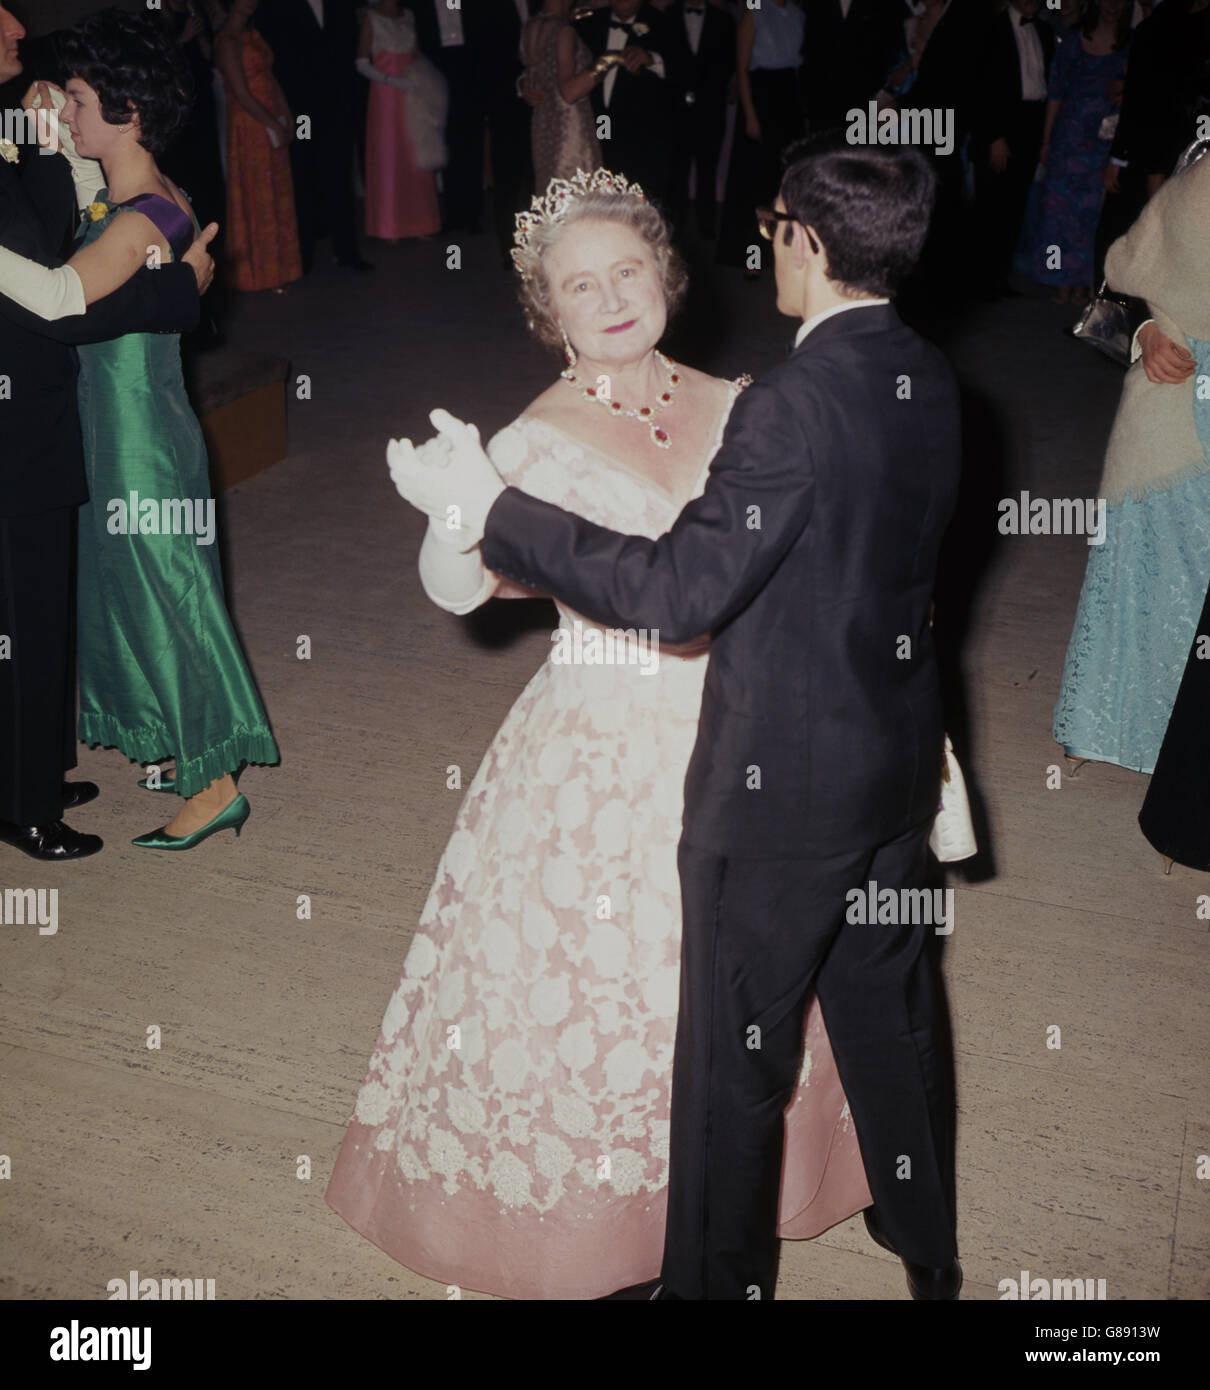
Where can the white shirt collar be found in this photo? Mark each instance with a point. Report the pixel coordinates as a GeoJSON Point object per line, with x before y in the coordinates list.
{"type": "Point", "coordinates": [816, 319]}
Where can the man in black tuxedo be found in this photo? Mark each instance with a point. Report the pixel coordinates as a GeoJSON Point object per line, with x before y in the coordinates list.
{"type": "Point", "coordinates": [41, 485]}
{"type": "Point", "coordinates": [810, 559]}
{"type": "Point", "coordinates": [1007, 134]}
{"type": "Point", "coordinates": [700, 40]}
{"type": "Point", "coordinates": [947, 79]}
{"type": "Point", "coordinates": [314, 45]}
{"type": "Point", "coordinates": [848, 47]}
{"type": "Point", "coordinates": [478, 48]}
{"type": "Point", "coordinates": [1167, 88]}
{"type": "Point", "coordinates": [636, 95]}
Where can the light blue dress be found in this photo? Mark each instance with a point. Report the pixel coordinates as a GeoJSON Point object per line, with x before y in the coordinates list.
{"type": "Point", "coordinates": [1138, 612]}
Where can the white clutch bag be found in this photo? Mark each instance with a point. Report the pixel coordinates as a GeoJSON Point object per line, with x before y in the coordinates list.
{"type": "Point", "coordinates": [953, 836]}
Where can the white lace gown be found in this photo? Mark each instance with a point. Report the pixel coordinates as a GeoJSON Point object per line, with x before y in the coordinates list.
{"type": "Point", "coordinates": [511, 1134]}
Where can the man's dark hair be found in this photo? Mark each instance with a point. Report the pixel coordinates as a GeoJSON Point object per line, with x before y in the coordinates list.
{"type": "Point", "coordinates": [132, 66]}
{"type": "Point", "coordinates": [870, 204]}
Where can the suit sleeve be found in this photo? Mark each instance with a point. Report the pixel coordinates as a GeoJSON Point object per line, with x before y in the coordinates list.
{"type": "Point", "coordinates": [46, 181]}
{"type": "Point", "coordinates": [152, 301]}
{"type": "Point", "coordinates": [718, 554]}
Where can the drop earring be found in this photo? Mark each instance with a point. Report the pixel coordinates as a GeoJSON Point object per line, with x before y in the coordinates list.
{"type": "Point", "coordinates": [572, 359]}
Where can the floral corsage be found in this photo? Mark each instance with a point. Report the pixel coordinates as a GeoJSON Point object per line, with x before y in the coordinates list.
{"type": "Point", "coordinates": [97, 210]}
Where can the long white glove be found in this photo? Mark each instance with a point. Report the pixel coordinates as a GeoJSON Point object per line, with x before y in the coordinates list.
{"type": "Point", "coordinates": [51, 294]}
{"type": "Point", "coordinates": [456, 486]}
{"type": "Point", "coordinates": [455, 580]}
{"type": "Point", "coordinates": [367, 69]}
{"type": "Point", "coordinates": [87, 174]}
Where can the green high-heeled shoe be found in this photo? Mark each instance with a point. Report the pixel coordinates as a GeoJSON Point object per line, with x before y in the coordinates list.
{"type": "Point", "coordinates": [232, 816]}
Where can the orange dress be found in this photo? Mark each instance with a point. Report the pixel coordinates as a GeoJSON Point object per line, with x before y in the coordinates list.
{"type": "Point", "coordinates": [262, 228]}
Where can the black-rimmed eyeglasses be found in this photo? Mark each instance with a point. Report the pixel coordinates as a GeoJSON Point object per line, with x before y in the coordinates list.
{"type": "Point", "coordinates": [768, 218]}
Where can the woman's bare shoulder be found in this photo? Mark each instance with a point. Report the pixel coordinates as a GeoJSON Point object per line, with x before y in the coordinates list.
{"type": "Point", "coordinates": [550, 405]}
{"type": "Point", "coordinates": [717, 388]}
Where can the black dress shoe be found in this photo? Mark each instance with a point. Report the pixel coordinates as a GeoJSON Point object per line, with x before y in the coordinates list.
{"type": "Point", "coordinates": [53, 841]}
{"type": "Point", "coordinates": [924, 1281]}
{"type": "Point", "coordinates": [354, 263]}
{"type": "Point", "coordinates": [77, 793]}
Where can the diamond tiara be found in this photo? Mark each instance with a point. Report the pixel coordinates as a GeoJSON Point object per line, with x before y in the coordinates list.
{"type": "Point", "coordinates": [553, 205]}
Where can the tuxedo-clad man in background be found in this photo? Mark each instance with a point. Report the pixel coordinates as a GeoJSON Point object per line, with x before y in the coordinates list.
{"type": "Point", "coordinates": [1167, 88]}
{"type": "Point", "coordinates": [478, 48]}
{"type": "Point", "coordinates": [810, 558]}
{"type": "Point", "coordinates": [700, 55]}
{"type": "Point", "coordinates": [42, 483]}
{"type": "Point", "coordinates": [848, 47]}
{"type": "Point", "coordinates": [314, 45]}
{"type": "Point", "coordinates": [948, 79]}
{"type": "Point", "coordinates": [1007, 135]}
{"type": "Point", "coordinates": [635, 95]}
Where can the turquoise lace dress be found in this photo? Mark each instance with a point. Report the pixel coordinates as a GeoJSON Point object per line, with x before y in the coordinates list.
{"type": "Point", "coordinates": [1138, 612]}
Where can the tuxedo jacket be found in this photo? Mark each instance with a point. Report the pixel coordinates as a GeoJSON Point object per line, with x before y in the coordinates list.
{"type": "Point", "coordinates": [810, 559]}
{"type": "Point", "coordinates": [314, 64]}
{"type": "Point", "coordinates": [949, 75]}
{"type": "Point", "coordinates": [640, 100]}
{"type": "Point", "coordinates": [706, 73]}
{"type": "Point", "coordinates": [41, 453]}
{"type": "Point", "coordinates": [1167, 87]}
{"type": "Point", "coordinates": [847, 58]}
{"type": "Point", "coordinates": [1000, 76]}
{"type": "Point", "coordinates": [491, 47]}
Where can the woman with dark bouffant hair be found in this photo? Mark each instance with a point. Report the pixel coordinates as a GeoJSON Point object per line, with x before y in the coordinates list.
{"type": "Point", "coordinates": [161, 669]}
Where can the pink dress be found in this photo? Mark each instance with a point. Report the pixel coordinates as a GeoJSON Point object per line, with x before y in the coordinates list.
{"type": "Point", "coordinates": [401, 200]}
{"type": "Point", "coordinates": [511, 1134]}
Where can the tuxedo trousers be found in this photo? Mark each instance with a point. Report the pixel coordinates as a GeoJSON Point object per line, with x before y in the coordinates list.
{"type": "Point", "coordinates": [697, 142]}
{"type": "Point", "coordinates": [758, 937]}
{"type": "Point", "coordinates": [1000, 198]}
{"type": "Point", "coordinates": [37, 678]}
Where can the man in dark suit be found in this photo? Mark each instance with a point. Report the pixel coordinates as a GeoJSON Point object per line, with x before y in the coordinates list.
{"type": "Point", "coordinates": [313, 60]}
{"type": "Point", "coordinates": [41, 485]}
{"type": "Point", "coordinates": [1007, 135]}
{"type": "Point", "coordinates": [701, 63]}
{"type": "Point", "coordinates": [477, 47]}
{"type": "Point", "coordinates": [810, 559]}
{"type": "Point", "coordinates": [947, 79]}
{"type": "Point", "coordinates": [1167, 89]}
{"type": "Point", "coordinates": [636, 95]}
{"type": "Point", "coordinates": [848, 47]}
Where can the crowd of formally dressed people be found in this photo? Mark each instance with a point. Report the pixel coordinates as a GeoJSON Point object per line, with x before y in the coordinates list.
{"type": "Point", "coordinates": [573, 1035]}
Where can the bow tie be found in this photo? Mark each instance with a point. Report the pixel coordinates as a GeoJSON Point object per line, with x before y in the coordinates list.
{"type": "Point", "coordinates": [623, 25]}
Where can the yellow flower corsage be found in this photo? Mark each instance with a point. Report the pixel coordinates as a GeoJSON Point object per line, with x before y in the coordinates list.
{"type": "Point", "coordinates": [97, 210]}
{"type": "Point", "coordinates": [9, 151]}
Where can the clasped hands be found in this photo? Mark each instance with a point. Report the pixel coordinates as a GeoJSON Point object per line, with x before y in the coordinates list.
{"type": "Point", "coordinates": [449, 478]}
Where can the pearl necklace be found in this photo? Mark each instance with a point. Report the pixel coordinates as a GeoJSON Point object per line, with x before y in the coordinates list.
{"type": "Point", "coordinates": [646, 413]}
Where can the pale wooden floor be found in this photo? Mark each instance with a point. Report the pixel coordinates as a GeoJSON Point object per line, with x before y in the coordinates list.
{"type": "Point", "coordinates": [183, 1162]}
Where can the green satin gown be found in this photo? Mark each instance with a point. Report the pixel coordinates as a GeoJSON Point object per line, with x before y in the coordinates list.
{"type": "Point", "coordinates": [162, 672]}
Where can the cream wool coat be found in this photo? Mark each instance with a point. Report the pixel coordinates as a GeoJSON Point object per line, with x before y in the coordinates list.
{"type": "Point", "coordinates": [1164, 259]}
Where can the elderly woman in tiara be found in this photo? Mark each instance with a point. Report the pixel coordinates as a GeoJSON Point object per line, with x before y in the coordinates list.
{"type": "Point", "coordinates": [511, 1134]}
